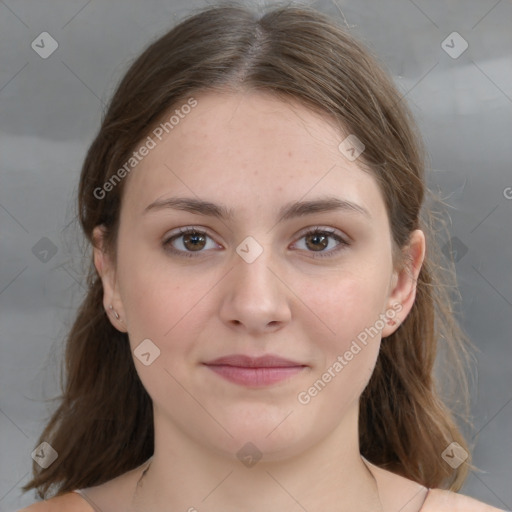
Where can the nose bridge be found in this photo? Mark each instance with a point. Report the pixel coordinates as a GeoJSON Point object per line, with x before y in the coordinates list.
{"type": "Point", "coordinates": [255, 296]}
{"type": "Point", "coordinates": [254, 266]}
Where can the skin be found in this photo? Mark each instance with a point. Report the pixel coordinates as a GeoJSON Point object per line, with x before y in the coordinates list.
{"type": "Point", "coordinates": [254, 153]}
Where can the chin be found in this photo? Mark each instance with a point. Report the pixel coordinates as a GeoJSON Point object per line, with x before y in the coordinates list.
{"type": "Point", "coordinates": [268, 437]}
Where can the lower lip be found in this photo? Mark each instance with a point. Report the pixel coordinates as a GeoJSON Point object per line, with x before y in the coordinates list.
{"type": "Point", "coordinates": [258, 377]}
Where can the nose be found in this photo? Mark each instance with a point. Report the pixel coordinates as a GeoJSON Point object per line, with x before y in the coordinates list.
{"type": "Point", "coordinates": [256, 299]}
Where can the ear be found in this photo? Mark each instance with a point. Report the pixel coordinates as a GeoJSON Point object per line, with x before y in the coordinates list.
{"type": "Point", "coordinates": [107, 271]}
{"type": "Point", "coordinates": [403, 283]}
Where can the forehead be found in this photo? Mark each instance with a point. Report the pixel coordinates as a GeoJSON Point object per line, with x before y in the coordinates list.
{"type": "Point", "coordinates": [251, 151]}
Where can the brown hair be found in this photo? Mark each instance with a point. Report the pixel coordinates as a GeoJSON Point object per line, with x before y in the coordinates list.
{"type": "Point", "coordinates": [103, 426]}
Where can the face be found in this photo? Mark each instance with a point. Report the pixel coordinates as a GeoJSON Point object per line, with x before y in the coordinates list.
{"type": "Point", "coordinates": [254, 282]}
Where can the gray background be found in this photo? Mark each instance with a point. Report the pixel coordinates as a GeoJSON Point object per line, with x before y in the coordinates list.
{"type": "Point", "coordinates": [51, 108]}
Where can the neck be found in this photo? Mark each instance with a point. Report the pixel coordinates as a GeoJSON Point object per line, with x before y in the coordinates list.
{"type": "Point", "coordinates": [183, 475]}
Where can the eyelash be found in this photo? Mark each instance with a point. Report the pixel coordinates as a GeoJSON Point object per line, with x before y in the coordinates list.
{"type": "Point", "coordinates": [315, 231]}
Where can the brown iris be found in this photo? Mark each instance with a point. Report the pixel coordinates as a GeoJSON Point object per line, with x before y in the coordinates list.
{"type": "Point", "coordinates": [316, 237]}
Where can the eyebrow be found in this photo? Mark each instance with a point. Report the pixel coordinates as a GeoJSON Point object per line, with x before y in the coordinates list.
{"type": "Point", "coordinates": [288, 211]}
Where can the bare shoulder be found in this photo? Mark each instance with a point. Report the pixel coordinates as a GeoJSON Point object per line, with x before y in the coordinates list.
{"type": "Point", "coordinates": [440, 500]}
{"type": "Point", "coordinates": [110, 495]}
{"type": "Point", "coordinates": [400, 493]}
{"type": "Point", "coordinates": [68, 502]}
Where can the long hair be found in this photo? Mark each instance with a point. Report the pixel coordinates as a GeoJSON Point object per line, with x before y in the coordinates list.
{"type": "Point", "coordinates": [103, 426]}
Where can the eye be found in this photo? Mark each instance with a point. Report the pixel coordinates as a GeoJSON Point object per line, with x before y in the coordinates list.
{"type": "Point", "coordinates": [194, 240]}
{"type": "Point", "coordinates": [318, 238]}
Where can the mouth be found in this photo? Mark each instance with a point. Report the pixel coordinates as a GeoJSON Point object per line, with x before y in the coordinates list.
{"type": "Point", "coordinates": [255, 371]}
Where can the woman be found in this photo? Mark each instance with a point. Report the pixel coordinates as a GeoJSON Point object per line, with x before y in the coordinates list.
{"type": "Point", "coordinates": [263, 310]}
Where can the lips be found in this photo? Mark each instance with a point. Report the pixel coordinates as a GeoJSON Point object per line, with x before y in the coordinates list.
{"type": "Point", "coordinates": [243, 361]}
{"type": "Point", "coordinates": [254, 371]}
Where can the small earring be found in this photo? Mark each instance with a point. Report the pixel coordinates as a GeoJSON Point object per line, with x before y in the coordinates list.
{"type": "Point", "coordinates": [391, 321]}
{"type": "Point", "coordinates": [114, 312]}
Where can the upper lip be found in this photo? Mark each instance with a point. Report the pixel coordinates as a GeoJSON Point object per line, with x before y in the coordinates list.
{"type": "Point", "coordinates": [243, 361]}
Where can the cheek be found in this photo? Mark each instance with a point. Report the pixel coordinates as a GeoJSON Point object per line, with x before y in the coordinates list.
{"type": "Point", "coordinates": [162, 311]}
{"type": "Point", "coordinates": [152, 295]}
{"type": "Point", "coordinates": [168, 308]}
{"type": "Point", "coordinates": [343, 306]}
{"type": "Point", "coordinates": [347, 331]}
